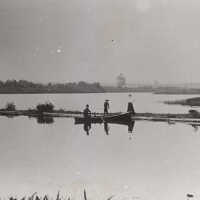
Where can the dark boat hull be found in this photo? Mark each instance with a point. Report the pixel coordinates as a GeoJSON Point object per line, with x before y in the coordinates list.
{"type": "Point", "coordinates": [123, 118]}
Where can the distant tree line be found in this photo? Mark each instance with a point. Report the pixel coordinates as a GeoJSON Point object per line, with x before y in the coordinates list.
{"type": "Point", "coordinates": [23, 86]}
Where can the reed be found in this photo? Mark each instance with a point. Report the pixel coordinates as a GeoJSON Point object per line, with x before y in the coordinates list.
{"type": "Point", "coordinates": [35, 196]}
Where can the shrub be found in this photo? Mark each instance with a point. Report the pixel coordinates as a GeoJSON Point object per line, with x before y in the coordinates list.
{"type": "Point", "coordinates": [10, 107]}
{"type": "Point", "coordinates": [194, 113]}
{"type": "Point", "coordinates": [46, 107]}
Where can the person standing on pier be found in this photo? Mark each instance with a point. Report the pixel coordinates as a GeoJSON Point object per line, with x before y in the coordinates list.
{"type": "Point", "coordinates": [106, 106]}
{"type": "Point", "coordinates": [130, 107]}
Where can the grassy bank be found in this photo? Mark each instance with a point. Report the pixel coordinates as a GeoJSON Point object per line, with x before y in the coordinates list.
{"type": "Point", "coordinates": [185, 102]}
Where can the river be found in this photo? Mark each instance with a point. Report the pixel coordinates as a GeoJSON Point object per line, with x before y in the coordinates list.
{"type": "Point", "coordinates": [155, 161]}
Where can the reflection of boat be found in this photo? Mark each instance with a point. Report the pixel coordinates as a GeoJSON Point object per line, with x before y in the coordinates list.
{"type": "Point", "coordinates": [121, 118]}
{"type": "Point", "coordinates": [87, 126]}
{"type": "Point", "coordinates": [130, 125]}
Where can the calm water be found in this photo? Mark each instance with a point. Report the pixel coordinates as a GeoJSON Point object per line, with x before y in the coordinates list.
{"type": "Point", "coordinates": [156, 161]}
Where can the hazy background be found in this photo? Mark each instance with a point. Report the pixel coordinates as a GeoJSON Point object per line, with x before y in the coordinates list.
{"type": "Point", "coordinates": [95, 40]}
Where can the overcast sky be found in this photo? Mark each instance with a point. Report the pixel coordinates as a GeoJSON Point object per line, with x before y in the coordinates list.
{"type": "Point", "coordinates": [95, 40]}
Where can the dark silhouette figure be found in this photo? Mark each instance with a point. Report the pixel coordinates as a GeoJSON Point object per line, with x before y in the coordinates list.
{"type": "Point", "coordinates": [87, 122]}
{"type": "Point", "coordinates": [87, 112]}
{"type": "Point", "coordinates": [106, 107]}
{"type": "Point", "coordinates": [85, 195]}
{"type": "Point", "coordinates": [130, 107]}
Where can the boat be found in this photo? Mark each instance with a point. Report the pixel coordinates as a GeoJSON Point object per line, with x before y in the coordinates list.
{"type": "Point", "coordinates": [124, 117]}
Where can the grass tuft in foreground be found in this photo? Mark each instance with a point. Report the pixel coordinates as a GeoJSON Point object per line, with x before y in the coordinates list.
{"type": "Point", "coordinates": [35, 196]}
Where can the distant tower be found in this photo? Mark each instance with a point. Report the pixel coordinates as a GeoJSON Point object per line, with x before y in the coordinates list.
{"type": "Point", "coordinates": [121, 81]}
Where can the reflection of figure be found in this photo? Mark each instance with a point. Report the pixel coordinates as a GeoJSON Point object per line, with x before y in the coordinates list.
{"type": "Point", "coordinates": [106, 128]}
{"type": "Point", "coordinates": [130, 129]}
{"type": "Point", "coordinates": [130, 108]}
{"type": "Point", "coordinates": [131, 126]}
{"type": "Point", "coordinates": [87, 127]}
{"type": "Point", "coordinates": [106, 106]}
{"type": "Point", "coordinates": [87, 119]}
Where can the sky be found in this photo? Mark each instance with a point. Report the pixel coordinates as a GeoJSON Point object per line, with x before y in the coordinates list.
{"type": "Point", "coordinates": [96, 40]}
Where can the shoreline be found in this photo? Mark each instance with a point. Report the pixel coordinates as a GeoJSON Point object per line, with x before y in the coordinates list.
{"type": "Point", "coordinates": [191, 117]}
{"type": "Point", "coordinates": [100, 92]}
{"type": "Point", "coordinates": [193, 102]}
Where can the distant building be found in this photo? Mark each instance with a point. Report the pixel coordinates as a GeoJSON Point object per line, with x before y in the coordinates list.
{"type": "Point", "coordinates": [121, 81]}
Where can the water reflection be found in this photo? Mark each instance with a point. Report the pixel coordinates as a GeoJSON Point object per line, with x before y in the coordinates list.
{"type": "Point", "coordinates": [106, 128]}
{"type": "Point", "coordinates": [196, 127]}
{"type": "Point", "coordinates": [45, 120]}
{"type": "Point", "coordinates": [87, 126]}
{"type": "Point", "coordinates": [131, 126]}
